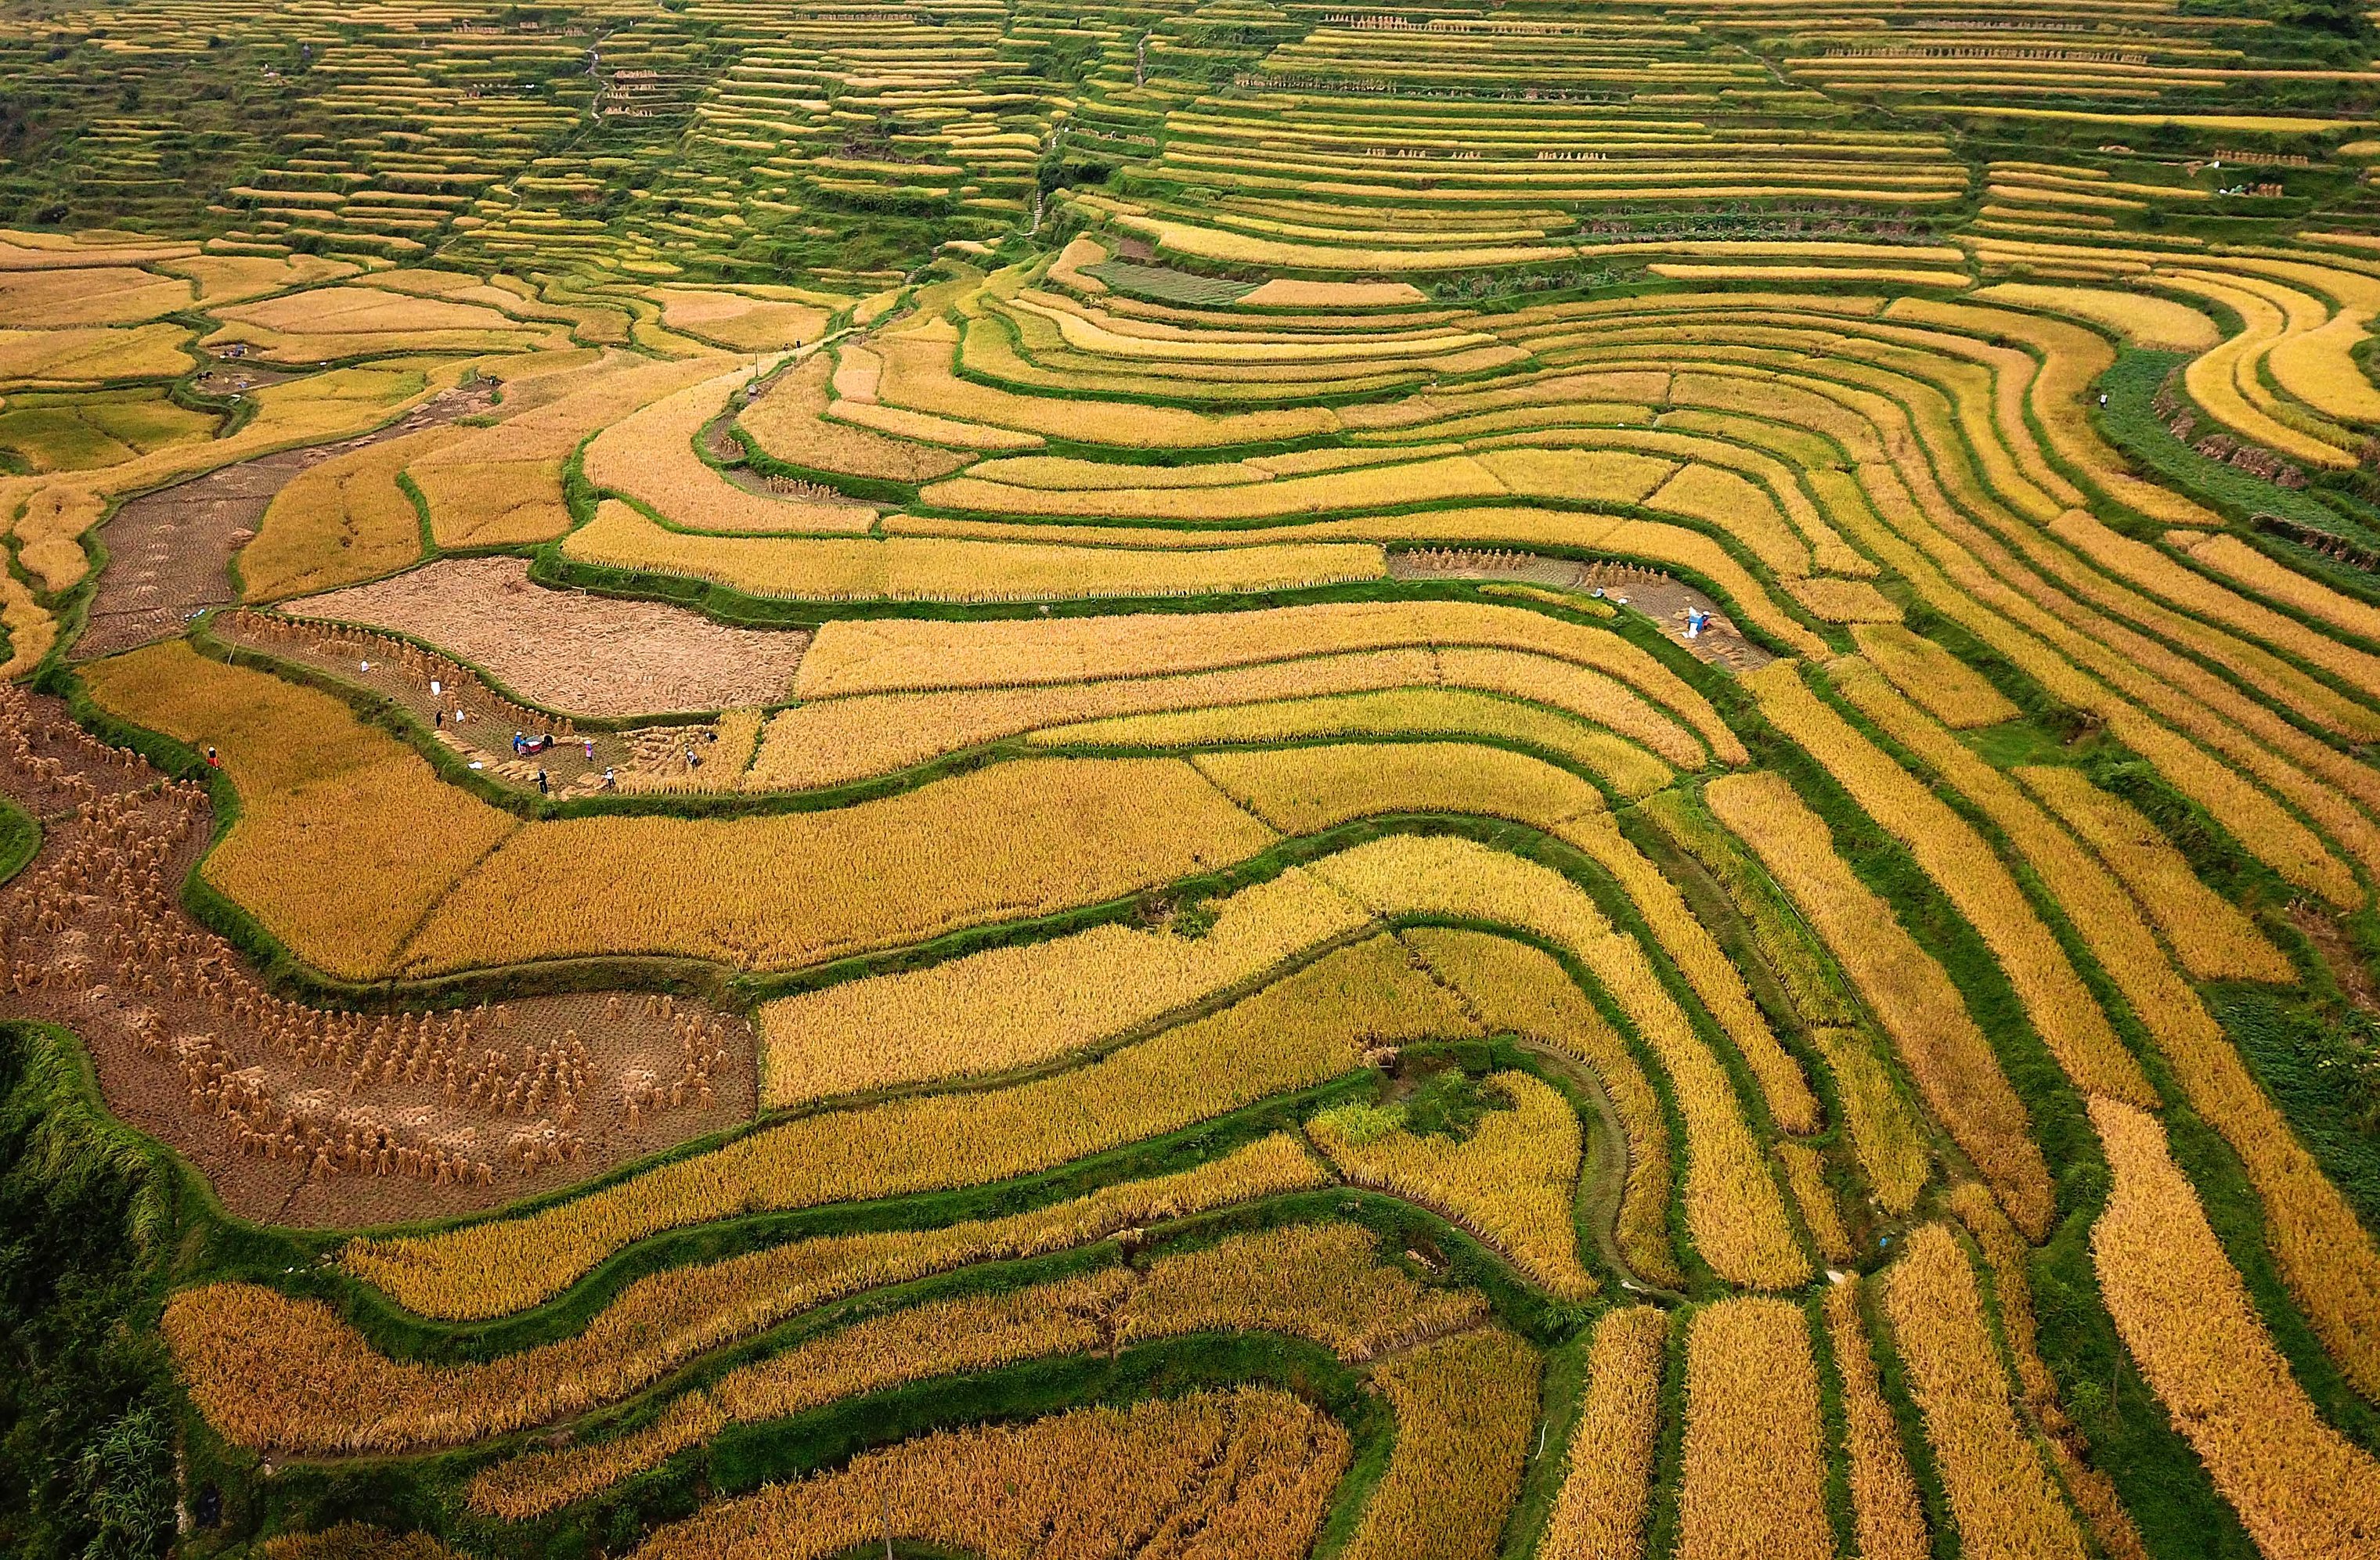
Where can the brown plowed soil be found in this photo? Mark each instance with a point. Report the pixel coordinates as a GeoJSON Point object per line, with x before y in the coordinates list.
{"type": "Point", "coordinates": [302, 1115]}
{"type": "Point", "coordinates": [170, 552]}
{"type": "Point", "coordinates": [570, 651]}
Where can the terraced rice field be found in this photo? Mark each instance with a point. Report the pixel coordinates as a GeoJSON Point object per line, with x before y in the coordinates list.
{"type": "Point", "coordinates": [1248, 780]}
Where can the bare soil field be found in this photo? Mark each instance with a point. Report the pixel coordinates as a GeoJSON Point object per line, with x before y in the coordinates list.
{"type": "Point", "coordinates": [567, 650]}
{"type": "Point", "coordinates": [170, 552]}
{"type": "Point", "coordinates": [235, 379]}
{"type": "Point", "coordinates": [471, 719]}
{"type": "Point", "coordinates": [299, 1115]}
{"type": "Point", "coordinates": [1671, 603]}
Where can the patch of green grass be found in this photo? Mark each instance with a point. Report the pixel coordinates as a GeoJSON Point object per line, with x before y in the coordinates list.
{"type": "Point", "coordinates": [2324, 1074]}
{"type": "Point", "coordinates": [1447, 1103]}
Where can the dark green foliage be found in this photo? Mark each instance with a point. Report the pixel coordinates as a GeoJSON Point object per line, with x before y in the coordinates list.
{"type": "Point", "coordinates": [2343, 18]}
{"type": "Point", "coordinates": [1450, 1104]}
{"type": "Point", "coordinates": [87, 1213]}
{"type": "Point", "coordinates": [2324, 1072]}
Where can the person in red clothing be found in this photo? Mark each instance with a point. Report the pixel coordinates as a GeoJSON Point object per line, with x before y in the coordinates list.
{"type": "Point", "coordinates": [213, 762]}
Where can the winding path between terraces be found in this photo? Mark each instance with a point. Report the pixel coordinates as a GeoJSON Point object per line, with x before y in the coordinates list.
{"type": "Point", "coordinates": [1604, 1177]}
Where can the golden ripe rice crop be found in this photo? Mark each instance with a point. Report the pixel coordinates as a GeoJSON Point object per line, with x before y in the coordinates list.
{"type": "Point", "coordinates": [2010, 1257]}
{"type": "Point", "coordinates": [1685, 939]}
{"type": "Point", "coordinates": [1255, 1462]}
{"type": "Point", "coordinates": [650, 456]}
{"type": "Point", "coordinates": [1885, 1503]}
{"type": "Point", "coordinates": [1319, 1281]}
{"type": "Point", "coordinates": [826, 741]}
{"type": "Point", "coordinates": [91, 355]}
{"type": "Point", "coordinates": [1511, 1180]}
{"type": "Point", "coordinates": [1514, 989]}
{"type": "Point", "coordinates": [340, 522]}
{"type": "Point", "coordinates": [1294, 1034]}
{"type": "Point", "coordinates": [1008, 840]}
{"type": "Point", "coordinates": [2234, 558]}
{"type": "Point", "coordinates": [2145, 319]}
{"type": "Point", "coordinates": [1805, 1175]}
{"type": "Point", "coordinates": [1952, 691]}
{"type": "Point", "coordinates": [2305, 1214]}
{"type": "Point", "coordinates": [1012, 1006]}
{"type": "Point", "coordinates": [854, 568]}
{"type": "Point", "coordinates": [1733, 1209]}
{"type": "Point", "coordinates": [788, 422]}
{"type": "Point", "coordinates": [233, 1341]}
{"type": "Point", "coordinates": [2300, 1487]}
{"type": "Point", "coordinates": [902, 655]}
{"type": "Point", "coordinates": [1462, 1405]}
{"type": "Point", "coordinates": [2211, 603]}
{"type": "Point", "coordinates": [1607, 1484]}
{"type": "Point", "coordinates": [1887, 1136]}
{"type": "Point", "coordinates": [2001, 1496]}
{"type": "Point", "coordinates": [325, 801]}
{"type": "Point", "coordinates": [2210, 936]}
{"type": "Point", "coordinates": [1326, 1282]}
{"type": "Point", "coordinates": [1784, 943]}
{"type": "Point", "coordinates": [1425, 481]}
{"type": "Point", "coordinates": [1968, 873]}
{"type": "Point", "coordinates": [1855, 602]}
{"type": "Point", "coordinates": [1244, 976]}
{"type": "Point", "coordinates": [1948, 1056]}
{"type": "Point", "coordinates": [1622, 765]}
{"type": "Point", "coordinates": [1754, 1479]}
{"type": "Point", "coordinates": [326, 796]}
{"type": "Point", "coordinates": [1307, 789]}
{"type": "Point", "coordinates": [488, 486]}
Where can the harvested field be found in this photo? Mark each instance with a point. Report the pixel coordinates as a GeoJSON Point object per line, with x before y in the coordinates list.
{"type": "Point", "coordinates": [745, 321]}
{"type": "Point", "coordinates": [572, 651]}
{"type": "Point", "coordinates": [170, 552]}
{"type": "Point", "coordinates": [190, 1048]}
{"type": "Point", "coordinates": [1673, 605]}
